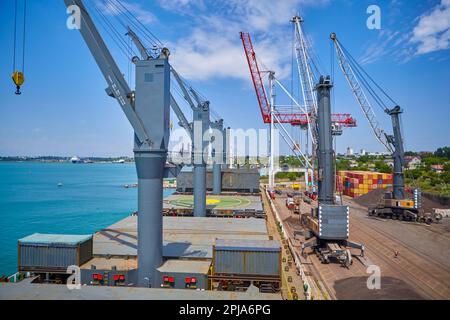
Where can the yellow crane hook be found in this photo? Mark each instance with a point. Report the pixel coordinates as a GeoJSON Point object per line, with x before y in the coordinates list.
{"type": "Point", "coordinates": [18, 79]}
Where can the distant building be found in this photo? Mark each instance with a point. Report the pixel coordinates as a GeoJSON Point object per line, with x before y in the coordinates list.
{"type": "Point", "coordinates": [349, 152]}
{"type": "Point", "coordinates": [363, 152]}
{"type": "Point", "coordinates": [353, 164]}
{"type": "Point", "coordinates": [413, 162]}
{"type": "Point", "coordinates": [425, 153]}
{"type": "Point", "coordinates": [389, 162]}
{"type": "Point", "coordinates": [438, 168]}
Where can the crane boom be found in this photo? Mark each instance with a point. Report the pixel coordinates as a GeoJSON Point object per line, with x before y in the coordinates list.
{"type": "Point", "coordinates": [118, 87]}
{"type": "Point", "coordinates": [304, 67]}
{"type": "Point", "coordinates": [183, 88]}
{"type": "Point", "coordinates": [138, 43]}
{"type": "Point", "coordinates": [393, 143]}
{"type": "Point", "coordinates": [180, 115]}
{"type": "Point", "coordinates": [256, 76]}
{"type": "Point", "coordinates": [360, 95]}
{"type": "Point", "coordinates": [288, 115]}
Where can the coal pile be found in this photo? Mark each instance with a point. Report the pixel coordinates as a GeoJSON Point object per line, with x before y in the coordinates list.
{"type": "Point", "coordinates": [391, 289]}
{"type": "Point", "coordinates": [373, 197]}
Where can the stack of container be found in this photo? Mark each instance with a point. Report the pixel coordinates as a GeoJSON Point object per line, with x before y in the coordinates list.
{"type": "Point", "coordinates": [358, 183]}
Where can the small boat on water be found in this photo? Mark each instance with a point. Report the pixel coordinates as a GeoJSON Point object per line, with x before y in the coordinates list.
{"type": "Point", "coordinates": [76, 160]}
{"type": "Point", "coordinates": [60, 185]}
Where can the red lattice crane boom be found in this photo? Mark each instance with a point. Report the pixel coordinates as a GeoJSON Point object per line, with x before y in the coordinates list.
{"type": "Point", "coordinates": [295, 119]}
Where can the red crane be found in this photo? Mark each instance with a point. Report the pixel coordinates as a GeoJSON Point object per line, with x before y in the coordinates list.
{"type": "Point", "coordinates": [295, 119]}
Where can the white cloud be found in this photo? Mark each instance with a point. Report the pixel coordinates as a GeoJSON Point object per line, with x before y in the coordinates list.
{"type": "Point", "coordinates": [432, 32]}
{"type": "Point", "coordinates": [213, 48]}
{"type": "Point", "coordinates": [114, 8]}
{"type": "Point", "coordinates": [181, 5]}
{"type": "Point", "coordinates": [389, 43]}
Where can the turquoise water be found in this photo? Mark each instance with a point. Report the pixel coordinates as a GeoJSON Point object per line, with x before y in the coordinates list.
{"type": "Point", "coordinates": [91, 198]}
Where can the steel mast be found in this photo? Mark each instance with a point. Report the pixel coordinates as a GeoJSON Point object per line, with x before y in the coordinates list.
{"type": "Point", "coordinates": [307, 82]}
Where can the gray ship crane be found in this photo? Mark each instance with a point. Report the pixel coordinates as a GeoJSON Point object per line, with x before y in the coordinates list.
{"type": "Point", "coordinates": [329, 223]}
{"type": "Point", "coordinates": [197, 131]}
{"type": "Point", "coordinates": [147, 108]}
{"type": "Point", "coordinates": [201, 124]}
{"type": "Point", "coordinates": [219, 146]}
{"type": "Point", "coordinates": [394, 204]}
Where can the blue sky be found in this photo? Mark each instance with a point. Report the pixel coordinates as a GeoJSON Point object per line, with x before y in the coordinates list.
{"type": "Point", "coordinates": [65, 111]}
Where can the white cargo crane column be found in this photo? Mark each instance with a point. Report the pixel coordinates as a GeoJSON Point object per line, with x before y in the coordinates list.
{"type": "Point", "coordinates": [307, 82]}
{"type": "Point", "coordinates": [148, 111]}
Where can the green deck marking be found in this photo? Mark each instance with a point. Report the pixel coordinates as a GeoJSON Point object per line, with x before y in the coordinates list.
{"type": "Point", "coordinates": [224, 202]}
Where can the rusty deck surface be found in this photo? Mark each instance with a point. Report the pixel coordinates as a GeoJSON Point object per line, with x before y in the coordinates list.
{"type": "Point", "coordinates": [420, 270]}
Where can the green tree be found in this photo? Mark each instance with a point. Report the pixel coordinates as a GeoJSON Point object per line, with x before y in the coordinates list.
{"type": "Point", "coordinates": [382, 167]}
{"type": "Point", "coordinates": [443, 153]}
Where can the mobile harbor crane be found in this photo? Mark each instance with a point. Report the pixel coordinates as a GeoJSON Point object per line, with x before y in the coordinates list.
{"type": "Point", "coordinates": [394, 204]}
{"type": "Point", "coordinates": [329, 223]}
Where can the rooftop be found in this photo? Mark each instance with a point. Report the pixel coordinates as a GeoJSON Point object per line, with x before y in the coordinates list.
{"type": "Point", "coordinates": [185, 266]}
{"type": "Point", "coordinates": [248, 245]}
{"type": "Point", "coordinates": [107, 264]}
{"type": "Point", "coordinates": [66, 239]}
{"type": "Point", "coordinates": [184, 237]}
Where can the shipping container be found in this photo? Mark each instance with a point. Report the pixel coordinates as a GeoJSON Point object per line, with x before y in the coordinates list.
{"type": "Point", "coordinates": [51, 253]}
{"type": "Point", "coordinates": [358, 183]}
{"type": "Point", "coordinates": [250, 258]}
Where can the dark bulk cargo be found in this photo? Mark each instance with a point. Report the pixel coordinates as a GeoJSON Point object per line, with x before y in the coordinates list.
{"type": "Point", "coordinates": [52, 253]}
{"type": "Point", "coordinates": [251, 259]}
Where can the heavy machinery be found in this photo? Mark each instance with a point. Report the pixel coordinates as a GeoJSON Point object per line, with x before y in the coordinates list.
{"type": "Point", "coordinates": [147, 108]}
{"type": "Point", "coordinates": [329, 223]}
{"type": "Point", "coordinates": [395, 204]}
{"type": "Point", "coordinates": [197, 130]}
{"type": "Point", "coordinates": [297, 115]}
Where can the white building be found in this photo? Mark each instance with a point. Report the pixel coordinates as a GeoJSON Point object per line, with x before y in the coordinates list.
{"type": "Point", "coordinates": [413, 162]}
{"type": "Point", "coordinates": [349, 151]}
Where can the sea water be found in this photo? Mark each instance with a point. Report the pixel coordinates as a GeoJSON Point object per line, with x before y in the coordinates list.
{"type": "Point", "coordinates": [61, 198]}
